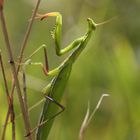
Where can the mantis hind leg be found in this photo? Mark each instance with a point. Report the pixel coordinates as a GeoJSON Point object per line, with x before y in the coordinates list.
{"type": "Point", "coordinates": [49, 119]}
{"type": "Point", "coordinates": [28, 59]}
{"type": "Point", "coordinates": [59, 112]}
{"type": "Point", "coordinates": [45, 67]}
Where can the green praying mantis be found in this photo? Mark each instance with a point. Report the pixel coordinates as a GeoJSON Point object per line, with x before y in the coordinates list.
{"type": "Point", "coordinates": [54, 91]}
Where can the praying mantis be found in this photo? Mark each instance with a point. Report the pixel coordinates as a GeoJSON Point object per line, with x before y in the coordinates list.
{"type": "Point", "coordinates": [54, 91]}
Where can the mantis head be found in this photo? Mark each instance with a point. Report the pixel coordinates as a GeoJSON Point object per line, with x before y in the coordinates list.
{"type": "Point", "coordinates": [91, 24]}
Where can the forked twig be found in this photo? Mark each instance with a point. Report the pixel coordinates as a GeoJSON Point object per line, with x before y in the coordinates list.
{"type": "Point", "coordinates": [88, 117]}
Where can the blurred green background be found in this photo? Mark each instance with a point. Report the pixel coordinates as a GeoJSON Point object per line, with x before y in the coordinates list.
{"type": "Point", "coordinates": [109, 64]}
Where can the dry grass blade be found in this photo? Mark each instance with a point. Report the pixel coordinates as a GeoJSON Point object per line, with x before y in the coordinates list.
{"type": "Point", "coordinates": [88, 117]}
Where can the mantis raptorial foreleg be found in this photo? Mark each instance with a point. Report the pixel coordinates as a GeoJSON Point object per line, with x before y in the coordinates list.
{"type": "Point", "coordinates": [57, 37]}
{"type": "Point", "coordinates": [45, 67]}
{"type": "Point", "coordinates": [56, 34]}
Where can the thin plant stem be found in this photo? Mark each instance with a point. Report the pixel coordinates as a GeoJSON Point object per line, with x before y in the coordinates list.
{"type": "Point", "coordinates": [5, 125]}
{"type": "Point", "coordinates": [4, 77]}
{"type": "Point", "coordinates": [22, 50]}
{"type": "Point", "coordinates": [10, 104]}
{"type": "Point", "coordinates": [24, 44]}
{"type": "Point", "coordinates": [25, 91]}
{"type": "Point", "coordinates": [32, 107]}
{"type": "Point", "coordinates": [13, 68]}
{"type": "Point", "coordinates": [13, 122]}
{"type": "Point", "coordinates": [28, 33]}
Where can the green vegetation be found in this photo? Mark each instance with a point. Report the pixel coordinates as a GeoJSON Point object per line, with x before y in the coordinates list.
{"type": "Point", "coordinates": [109, 64]}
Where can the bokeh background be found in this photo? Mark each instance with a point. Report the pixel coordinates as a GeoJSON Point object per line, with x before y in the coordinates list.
{"type": "Point", "coordinates": [109, 64]}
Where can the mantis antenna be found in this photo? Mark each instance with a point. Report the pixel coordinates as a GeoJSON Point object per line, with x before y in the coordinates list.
{"type": "Point", "coordinates": [106, 21]}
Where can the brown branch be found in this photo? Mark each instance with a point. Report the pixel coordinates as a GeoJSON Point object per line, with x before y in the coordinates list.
{"type": "Point", "coordinates": [25, 92]}
{"type": "Point", "coordinates": [5, 125]}
{"type": "Point", "coordinates": [13, 121]}
{"type": "Point", "coordinates": [28, 33]}
{"type": "Point", "coordinates": [13, 68]}
{"type": "Point", "coordinates": [10, 104]}
{"type": "Point", "coordinates": [22, 51]}
{"type": "Point", "coordinates": [4, 77]}
{"type": "Point", "coordinates": [1, 4]}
